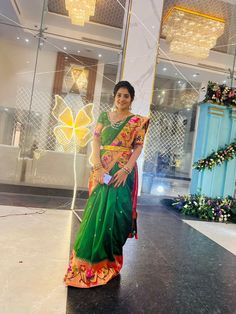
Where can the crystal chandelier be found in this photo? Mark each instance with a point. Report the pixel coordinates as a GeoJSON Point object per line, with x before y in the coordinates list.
{"type": "Point", "coordinates": [79, 11]}
{"type": "Point", "coordinates": [191, 33]}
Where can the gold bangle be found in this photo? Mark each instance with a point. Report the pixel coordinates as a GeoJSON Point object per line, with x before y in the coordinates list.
{"type": "Point", "coordinates": [97, 167]}
{"type": "Point", "coordinates": [127, 169]}
{"type": "Point", "coordinates": [98, 164]}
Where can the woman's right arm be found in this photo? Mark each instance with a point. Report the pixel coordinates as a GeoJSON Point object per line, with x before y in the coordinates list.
{"type": "Point", "coordinates": [96, 147]}
{"type": "Point", "coordinates": [99, 171]}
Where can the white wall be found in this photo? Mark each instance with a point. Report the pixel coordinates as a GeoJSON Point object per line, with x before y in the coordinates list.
{"type": "Point", "coordinates": [17, 69]}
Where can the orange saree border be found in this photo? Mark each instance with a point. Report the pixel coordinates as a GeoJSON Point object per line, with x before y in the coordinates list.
{"type": "Point", "coordinates": [82, 274]}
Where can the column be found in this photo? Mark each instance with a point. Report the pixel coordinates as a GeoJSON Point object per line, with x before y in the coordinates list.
{"type": "Point", "coordinates": [140, 54]}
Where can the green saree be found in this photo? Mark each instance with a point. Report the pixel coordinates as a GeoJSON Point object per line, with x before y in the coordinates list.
{"type": "Point", "coordinates": [110, 213]}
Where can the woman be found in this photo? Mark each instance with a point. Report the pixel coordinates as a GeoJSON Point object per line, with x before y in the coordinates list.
{"type": "Point", "coordinates": [110, 213]}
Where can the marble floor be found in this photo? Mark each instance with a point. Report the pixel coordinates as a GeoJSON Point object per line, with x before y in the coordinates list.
{"type": "Point", "coordinates": [34, 255]}
{"type": "Point", "coordinates": [222, 233]}
{"type": "Point", "coordinates": [177, 266]}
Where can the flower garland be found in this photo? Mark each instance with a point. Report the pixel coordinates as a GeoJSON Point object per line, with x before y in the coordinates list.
{"type": "Point", "coordinates": [220, 94]}
{"type": "Point", "coordinates": [216, 158]}
{"type": "Point", "coordinates": [203, 207]}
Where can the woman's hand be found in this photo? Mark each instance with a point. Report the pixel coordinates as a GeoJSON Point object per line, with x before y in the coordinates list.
{"type": "Point", "coordinates": [99, 174]}
{"type": "Point", "coordinates": [119, 178]}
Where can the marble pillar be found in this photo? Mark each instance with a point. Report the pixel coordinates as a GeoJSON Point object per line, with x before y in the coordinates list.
{"type": "Point", "coordinates": [140, 54]}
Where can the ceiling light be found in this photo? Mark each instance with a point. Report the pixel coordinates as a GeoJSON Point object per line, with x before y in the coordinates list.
{"type": "Point", "coordinates": [164, 69]}
{"type": "Point", "coordinates": [78, 51]}
{"type": "Point", "coordinates": [224, 81]}
{"type": "Point", "coordinates": [99, 55]}
{"type": "Point", "coordinates": [191, 33]}
{"type": "Point", "coordinates": [195, 74]}
{"type": "Point", "coordinates": [41, 44]}
{"type": "Point", "coordinates": [163, 92]}
{"type": "Point", "coordinates": [79, 11]}
{"type": "Point", "coordinates": [6, 109]}
{"type": "Point", "coordinates": [26, 40]}
{"type": "Point", "coordinates": [18, 37]}
{"type": "Point", "coordinates": [179, 82]}
{"type": "Point", "coordinates": [187, 98]}
{"type": "Point", "coordinates": [65, 48]}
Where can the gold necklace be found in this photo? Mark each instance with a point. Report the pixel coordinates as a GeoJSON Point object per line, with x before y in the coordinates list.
{"type": "Point", "coordinates": [116, 125]}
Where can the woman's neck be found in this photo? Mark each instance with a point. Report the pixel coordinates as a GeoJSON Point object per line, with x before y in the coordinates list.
{"type": "Point", "coordinates": [123, 112]}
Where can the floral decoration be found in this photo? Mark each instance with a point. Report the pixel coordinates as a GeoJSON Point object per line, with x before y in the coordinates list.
{"type": "Point", "coordinates": [203, 207]}
{"type": "Point", "coordinates": [220, 94]}
{"type": "Point", "coordinates": [216, 157]}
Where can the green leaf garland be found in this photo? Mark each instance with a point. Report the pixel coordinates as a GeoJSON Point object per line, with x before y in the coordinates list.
{"type": "Point", "coordinates": [216, 158]}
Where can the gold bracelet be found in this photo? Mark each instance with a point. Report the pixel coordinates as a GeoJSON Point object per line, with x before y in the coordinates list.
{"type": "Point", "coordinates": [97, 164]}
{"type": "Point", "coordinates": [97, 167]}
{"type": "Point", "coordinates": [127, 169]}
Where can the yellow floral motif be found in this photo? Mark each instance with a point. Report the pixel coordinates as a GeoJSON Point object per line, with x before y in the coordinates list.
{"type": "Point", "coordinates": [71, 128]}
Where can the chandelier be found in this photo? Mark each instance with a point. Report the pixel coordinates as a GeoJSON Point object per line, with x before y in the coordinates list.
{"type": "Point", "coordinates": [79, 11]}
{"type": "Point", "coordinates": [187, 98]}
{"type": "Point", "coordinates": [191, 33]}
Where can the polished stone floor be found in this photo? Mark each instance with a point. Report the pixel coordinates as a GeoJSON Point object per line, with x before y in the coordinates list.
{"type": "Point", "coordinates": [177, 266]}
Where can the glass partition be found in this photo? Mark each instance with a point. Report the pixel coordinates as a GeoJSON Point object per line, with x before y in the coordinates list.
{"type": "Point", "coordinates": [180, 84]}
{"type": "Point", "coordinates": [48, 63]}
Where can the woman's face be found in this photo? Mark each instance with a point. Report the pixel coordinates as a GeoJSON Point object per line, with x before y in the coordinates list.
{"type": "Point", "coordinates": [123, 99]}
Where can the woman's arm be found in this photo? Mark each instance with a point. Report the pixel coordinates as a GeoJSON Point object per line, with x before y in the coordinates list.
{"type": "Point", "coordinates": [96, 160]}
{"type": "Point", "coordinates": [96, 149]}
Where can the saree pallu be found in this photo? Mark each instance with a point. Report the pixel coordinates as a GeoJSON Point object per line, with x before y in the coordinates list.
{"type": "Point", "coordinates": [110, 213]}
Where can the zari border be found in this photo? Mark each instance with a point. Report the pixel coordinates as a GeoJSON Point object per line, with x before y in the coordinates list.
{"type": "Point", "coordinates": [82, 274]}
